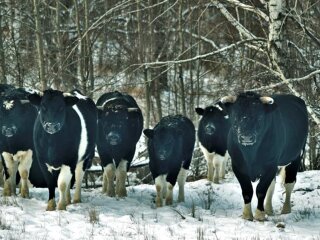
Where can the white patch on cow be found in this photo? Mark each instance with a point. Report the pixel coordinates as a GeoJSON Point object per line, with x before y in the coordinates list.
{"type": "Point", "coordinates": [79, 95]}
{"type": "Point", "coordinates": [83, 136]}
{"type": "Point", "coordinates": [161, 187]}
{"type": "Point", "coordinates": [64, 179]}
{"type": "Point", "coordinates": [109, 100]}
{"type": "Point", "coordinates": [288, 190]}
{"type": "Point", "coordinates": [121, 176]}
{"type": "Point", "coordinates": [25, 160]}
{"type": "Point", "coordinates": [108, 180]}
{"type": "Point", "coordinates": [51, 168]}
{"type": "Point", "coordinates": [9, 187]}
{"type": "Point", "coordinates": [247, 212]}
{"type": "Point", "coordinates": [78, 177]}
{"type": "Point", "coordinates": [8, 104]}
{"type": "Point", "coordinates": [268, 205]}
{"type": "Point", "coordinates": [215, 163]}
{"type": "Point", "coordinates": [217, 106]}
{"type": "Point", "coordinates": [182, 177]}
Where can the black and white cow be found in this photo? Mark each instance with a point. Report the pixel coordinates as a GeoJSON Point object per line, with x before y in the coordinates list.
{"type": "Point", "coordinates": [266, 132]}
{"type": "Point", "coordinates": [120, 125]}
{"type": "Point", "coordinates": [64, 138]}
{"type": "Point", "coordinates": [17, 117]}
{"type": "Point", "coordinates": [213, 132]}
{"type": "Point", "coordinates": [170, 147]}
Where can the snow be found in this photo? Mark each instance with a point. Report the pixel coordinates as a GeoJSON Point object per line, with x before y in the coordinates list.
{"type": "Point", "coordinates": [211, 211]}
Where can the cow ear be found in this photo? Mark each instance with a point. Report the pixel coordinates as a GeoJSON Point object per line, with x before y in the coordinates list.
{"type": "Point", "coordinates": [35, 99]}
{"type": "Point", "coordinates": [71, 100]}
{"type": "Point", "coordinates": [148, 133]}
{"type": "Point", "coordinates": [200, 111]}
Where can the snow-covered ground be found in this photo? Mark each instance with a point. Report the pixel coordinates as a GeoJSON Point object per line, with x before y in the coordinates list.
{"type": "Point", "coordinates": [211, 211]}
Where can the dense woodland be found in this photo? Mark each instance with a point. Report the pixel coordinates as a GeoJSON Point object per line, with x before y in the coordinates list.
{"type": "Point", "coordinates": [171, 55]}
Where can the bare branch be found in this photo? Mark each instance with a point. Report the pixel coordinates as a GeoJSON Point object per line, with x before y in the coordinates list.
{"type": "Point", "coordinates": [249, 8]}
{"type": "Point", "coordinates": [231, 46]}
{"type": "Point", "coordinates": [242, 30]}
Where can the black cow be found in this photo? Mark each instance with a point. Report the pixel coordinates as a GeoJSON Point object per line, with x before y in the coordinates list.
{"type": "Point", "coordinates": [213, 132]}
{"type": "Point", "coordinates": [17, 117]}
{"type": "Point", "coordinates": [120, 126]}
{"type": "Point", "coordinates": [170, 148]}
{"type": "Point", "coordinates": [64, 138]}
{"type": "Point", "coordinates": [266, 132]}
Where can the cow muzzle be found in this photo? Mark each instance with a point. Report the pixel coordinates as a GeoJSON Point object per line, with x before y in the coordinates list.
{"type": "Point", "coordinates": [113, 138]}
{"type": "Point", "coordinates": [210, 129]}
{"type": "Point", "coordinates": [9, 131]}
{"type": "Point", "coordinates": [51, 128]}
{"type": "Point", "coordinates": [247, 140]}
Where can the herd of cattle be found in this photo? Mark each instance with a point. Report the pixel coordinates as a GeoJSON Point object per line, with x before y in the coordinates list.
{"type": "Point", "coordinates": [49, 138]}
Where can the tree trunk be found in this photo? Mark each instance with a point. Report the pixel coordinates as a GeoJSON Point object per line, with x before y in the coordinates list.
{"type": "Point", "coordinates": [3, 78]}
{"type": "Point", "coordinates": [181, 79]}
{"type": "Point", "coordinates": [81, 53]}
{"type": "Point", "coordinates": [146, 71]}
{"type": "Point", "coordinates": [39, 38]}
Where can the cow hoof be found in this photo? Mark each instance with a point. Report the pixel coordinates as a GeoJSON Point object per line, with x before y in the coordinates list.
{"type": "Point", "coordinates": [24, 194]}
{"type": "Point", "coordinates": [111, 194]}
{"type": "Point", "coordinates": [286, 209]}
{"type": "Point", "coordinates": [180, 199]}
{"type": "Point", "coordinates": [76, 200]}
{"type": "Point", "coordinates": [51, 205]}
{"type": "Point", "coordinates": [169, 201]}
{"type": "Point", "coordinates": [62, 206]}
{"type": "Point", "coordinates": [260, 215]}
{"type": "Point", "coordinates": [216, 180]}
{"type": "Point", "coordinates": [248, 217]}
{"type": "Point", "coordinates": [122, 193]}
{"type": "Point", "coordinates": [269, 212]}
{"type": "Point", "coordinates": [158, 202]}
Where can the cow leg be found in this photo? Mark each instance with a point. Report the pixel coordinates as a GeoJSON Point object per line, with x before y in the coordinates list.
{"type": "Point", "coordinates": [9, 187]}
{"type": "Point", "coordinates": [109, 173]}
{"type": "Point", "coordinates": [218, 165]}
{"type": "Point", "coordinates": [64, 180]}
{"type": "Point", "coordinates": [79, 173]}
{"type": "Point", "coordinates": [25, 160]}
{"type": "Point", "coordinates": [51, 202]}
{"type": "Point", "coordinates": [209, 158]}
{"type": "Point", "coordinates": [268, 203]}
{"type": "Point", "coordinates": [289, 174]}
{"type": "Point", "coordinates": [161, 187]}
{"type": "Point", "coordinates": [182, 177]}
{"type": "Point", "coordinates": [247, 193]}
{"type": "Point", "coordinates": [121, 176]}
{"type": "Point", "coordinates": [223, 166]}
{"type": "Point", "coordinates": [262, 187]}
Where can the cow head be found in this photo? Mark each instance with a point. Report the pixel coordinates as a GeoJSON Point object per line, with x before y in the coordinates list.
{"type": "Point", "coordinates": [162, 142]}
{"type": "Point", "coordinates": [12, 112]}
{"type": "Point", "coordinates": [114, 121]}
{"type": "Point", "coordinates": [52, 107]}
{"type": "Point", "coordinates": [249, 116]}
{"type": "Point", "coordinates": [212, 118]}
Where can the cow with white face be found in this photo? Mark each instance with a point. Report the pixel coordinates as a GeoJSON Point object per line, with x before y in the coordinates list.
{"type": "Point", "coordinates": [266, 132]}
{"type": "Point", "coordinates": [64, 138]}
{"type": "Point", "coordinates": [120, 124]}
{"type": "Point", "coordinates": [213, 131]}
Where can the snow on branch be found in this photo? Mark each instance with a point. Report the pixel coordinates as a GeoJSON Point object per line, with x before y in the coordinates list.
{"type": "Point", "coordinates": [289, 80]}
{"type": "Point", "coordinates": [249, 8]}
{"type": "Point", "coordinates": [202, 56]}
